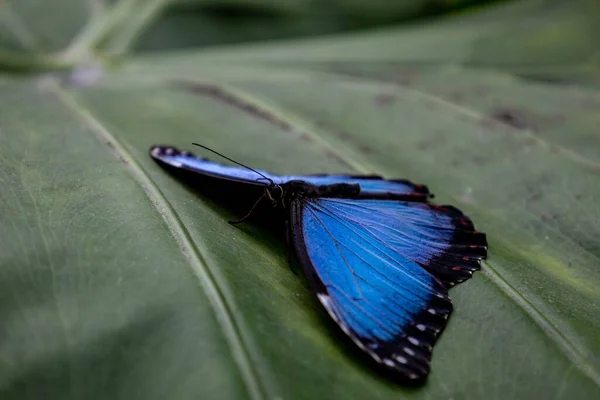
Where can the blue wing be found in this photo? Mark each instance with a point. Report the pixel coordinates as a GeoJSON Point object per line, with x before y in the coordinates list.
{"type": "Point", "coordinates": [371, 186]}
{"type": "Point", "coordinates": [366, 259]}
{"type": "Point", "coordinates": [172, 157]}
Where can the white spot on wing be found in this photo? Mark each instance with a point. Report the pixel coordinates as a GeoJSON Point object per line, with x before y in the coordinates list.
{"type": "Point", "coordinates": [408, 351]}
{"type": "Point", "coordinates": [421, 327]}
{"type": "Point", "coordinates": [359, 344]}
{"type": "Point", "coordinates": [323, 298]}
{"type": "Point", "coordinates": [326, 301]}
{"type": "Point", "coordinates": [431, 311]}
{"type": "Point", "coordinates": [413, 340]}
{"type": "Point", "coordinates": [401, 360]}
{"type": "Point", "coordinates": [389, 362]}
{"type": "Point", "coordinates": [442, 296]}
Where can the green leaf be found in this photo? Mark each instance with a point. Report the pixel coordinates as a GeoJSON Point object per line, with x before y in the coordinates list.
{"type": "Point", "coordinates": [190, 23]}
{"type": "Point", "coordinates": [66, 33]}
{"type": "Point", "coordinates": [38, 26]}
{"type": "Point", "coordinates": [117, 281]}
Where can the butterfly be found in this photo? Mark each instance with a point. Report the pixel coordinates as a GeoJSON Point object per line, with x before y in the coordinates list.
{"type": "Point", "coordinates": [378, 255]}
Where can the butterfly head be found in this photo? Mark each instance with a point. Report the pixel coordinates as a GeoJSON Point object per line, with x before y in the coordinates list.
{"type": "Point", "coordinates": [273, 192]}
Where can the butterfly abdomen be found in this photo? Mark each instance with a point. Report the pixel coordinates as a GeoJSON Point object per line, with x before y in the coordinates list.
{"type": "Point", "coordinates": [298, 189]}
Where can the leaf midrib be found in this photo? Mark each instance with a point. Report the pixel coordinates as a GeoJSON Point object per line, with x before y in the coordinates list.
{"type": "Point", "coordinates": [221, 306]}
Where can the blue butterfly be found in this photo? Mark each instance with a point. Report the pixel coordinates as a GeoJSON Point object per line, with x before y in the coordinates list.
{"type": "Point", "coordinates": [378, 255]}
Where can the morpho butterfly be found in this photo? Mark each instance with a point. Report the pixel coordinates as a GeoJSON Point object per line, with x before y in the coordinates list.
{"type": "Point", "coordinates": [378, 255]}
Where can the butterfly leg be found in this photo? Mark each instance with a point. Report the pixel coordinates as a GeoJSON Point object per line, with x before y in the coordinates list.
{"type": "Point", "coordinates": [245, 217]}
{"type": "Point", "coordinates": [288, 244]}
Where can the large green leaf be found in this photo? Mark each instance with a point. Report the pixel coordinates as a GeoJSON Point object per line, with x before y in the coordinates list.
{"type": "Point", "coordinates": [209, 22]}
{"type": "Point", "coordinates": [117, 281]}
{"type": "Point", "coordinates": [66, 33]}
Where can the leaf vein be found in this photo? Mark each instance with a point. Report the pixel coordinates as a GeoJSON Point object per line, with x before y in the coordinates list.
{"type": "Point", "coordinates": [221, 306]}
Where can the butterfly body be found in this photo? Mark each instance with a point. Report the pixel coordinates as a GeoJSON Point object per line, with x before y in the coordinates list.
{"type": "Point", "coordinates": [378, 255]}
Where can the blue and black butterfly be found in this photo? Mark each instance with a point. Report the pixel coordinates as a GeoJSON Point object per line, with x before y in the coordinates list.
{"type": "Point", "coordinates": [378, 255]}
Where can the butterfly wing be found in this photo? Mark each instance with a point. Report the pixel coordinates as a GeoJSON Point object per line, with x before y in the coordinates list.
{"type": "Point", "coordinates": [172, 157]}
{"type": "Point", "coordinates": [365, 261]}
{"type": "Point", "coordinates": [451, 253]}
{"type": "Point", "coordinates": [371, 185]}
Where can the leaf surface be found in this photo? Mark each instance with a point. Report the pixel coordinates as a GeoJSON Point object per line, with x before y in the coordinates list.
{"type": "Point", "coordinates": [120, 282]}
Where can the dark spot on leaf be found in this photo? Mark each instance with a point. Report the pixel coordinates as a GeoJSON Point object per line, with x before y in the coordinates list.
{"type": "Point", "coordinates": [479, 159]}
{"type": "Point", "coordinates": [423, 145]}
{"type": "Point", "coordinates": [528, 141]}
{"type": "Point", "coordinates": [365, 149]}
{"type": "Point", "coordinates": [384, 99]}
{"type": "Point", "coordinates": [221, 94]}
{"type": "Point", "coordinates": [111, 146]}
{"type": "Point", "coordinates": [510, 117]}
{"type": "Point", "coordinates": [428, 143]}
{"type": "Point", "coordinates": [305, 138]}
{"type": "Point", "coordinates": [331, 154]}
{"type": "Point", "coordinates": [343, 135]}
{"type": "Point", "coordinates": [455, 163]}
{"type": "Point", "coordinates": [480, 91]}
{"type": "Point", "coordinates": [546, 179]}
{"type": "Point", "coordinates": [457, 96]}
{"type": "Point", "coordinates": [549, 217]}
{"type": "Point", "coordinates": [533, 196]}
{"type": "Point", "coordinates": [555, 80]}
{"type": "Point", "coordinates": [406, 78]}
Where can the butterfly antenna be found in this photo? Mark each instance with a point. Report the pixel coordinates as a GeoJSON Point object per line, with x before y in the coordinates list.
{"type": "Point", "coordinates": [233, 161]}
